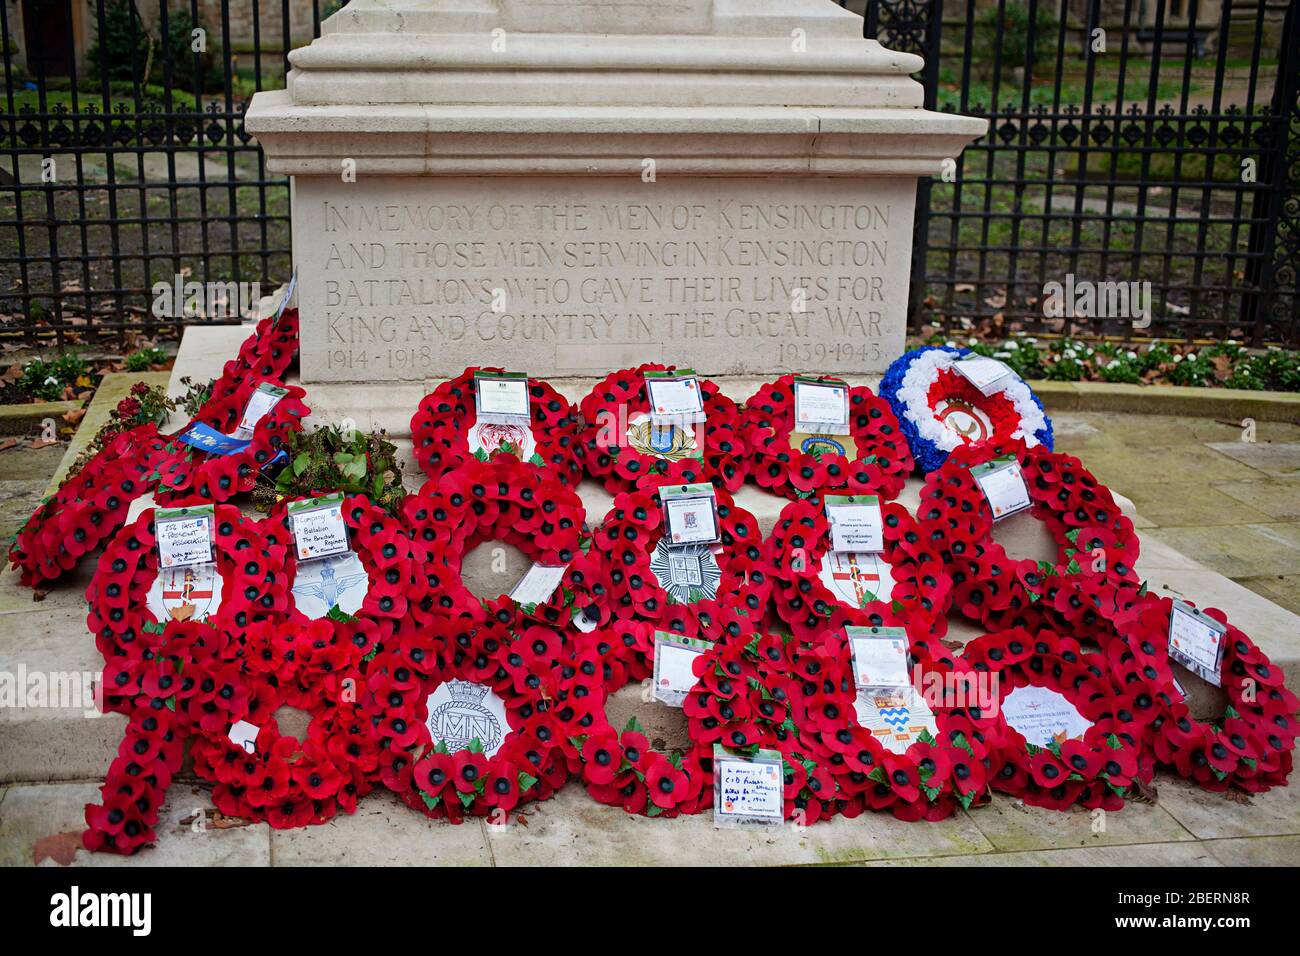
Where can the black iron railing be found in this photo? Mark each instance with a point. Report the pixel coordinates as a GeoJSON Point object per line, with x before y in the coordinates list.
{"type": "Point", "coordinates": [1164, 150]}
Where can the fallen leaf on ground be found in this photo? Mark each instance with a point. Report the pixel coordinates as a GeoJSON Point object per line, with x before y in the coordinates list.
{"type": "Point", "coordinates": [44, 442]}
{"type": "Point", "coordinates": [1238, 796]}
{"type": "Point", "coordinates": [213, 819]}
{"type": "Point", "coordinates": [75, 416]}
{"type": "Point", "coordinates": [8, 443]}
{"type": "Point", "coordinates": [59, 847]}
{"type": "Point", "coordinates": [39, 595]}
{"type": "Point", "coordinates": [1145, 792]}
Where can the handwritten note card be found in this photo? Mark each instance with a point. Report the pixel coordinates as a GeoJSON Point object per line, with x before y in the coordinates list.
{"type": "Point", "coordinates": [318, 527]}
{"type": "Point", "coordinates": [747, 791]}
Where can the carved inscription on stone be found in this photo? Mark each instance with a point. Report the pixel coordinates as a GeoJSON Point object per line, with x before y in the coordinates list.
{"type": "Point", "coordinates": [412, 278]}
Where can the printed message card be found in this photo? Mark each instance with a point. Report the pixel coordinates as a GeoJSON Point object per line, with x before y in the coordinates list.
{"type": "Point", "coordinates": [1003, 485]}
{"type": "Point", "coordinates": [538, 584]}
{"type": "Point", "coordinates": [675, 397]}
{"type": "Point", "coordinates": [987, 374]}
{"type": "Point", "coordinates": [259, 404]}
{"type": "Point", "coordinates": [821, 405]}
{"type": "Point", "coordinates": [501, 398]}
{"type": "Point", "coordinates": [1196, 642]}
{"type": "Point", "coordinates": [675, 657]}
{"type": "Point", "coordinates": [879, 656]}
{"type": "Point", "coordinates": [856, 523]}
{"type": "Point", "coordinates": [691, 514]}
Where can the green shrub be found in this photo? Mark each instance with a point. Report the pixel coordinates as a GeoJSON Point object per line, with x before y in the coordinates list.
{"type": "Point", "coordinates": [130, 49]}
{"type": "Point", "coordinates": [144, 359]}
{"type": "Point", "coordinates": [46, 380]}
{"type": "Point", "coordinates": [1015, 19]}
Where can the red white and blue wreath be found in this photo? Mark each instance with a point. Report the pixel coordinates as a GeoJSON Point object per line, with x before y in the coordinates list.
{"type": "Point", "coordinates": [940, 409]}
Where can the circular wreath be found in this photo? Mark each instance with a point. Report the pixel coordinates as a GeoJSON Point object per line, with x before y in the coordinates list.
{"type": "Point", "coordinates": [187, 471]}
{"type": "Point", "coordinates": [485, 673]}
{"type": "Point", "coordinates": [1096, 544]}
{"type": "Point", "coordinates": [1251, 746]}
{"type": "Point", "coordinates": [505, 500]}
{"type": "Point", "coordinates": [88, 508]}
{"type": "Point", "coordinates": [816, 590]}
{"type": "Point", "coordinates": [285, 781]}
{"type": "Point", "coordinates": [939, 410]}
{"type": "Point", "coordinates": [619, 767]}
{"type": "Point", "coordinates": [441, 425]}
{"type": "Point", "coordinates": [924, 774]}
{"type": "Point", "coordinates": [733, 576]}
{"type": "Point", "coordinates": [119, 596]}
{"type": "Point", "coordinates": [1095, 770]}
{"type": "Point", "coordinates": [198, 680]}
{"type": "Point", "coordinates": [622, 448]}
{"type": "Point", "coordinates": [758, 691]}
{"type": "Point", "coordinates": [880, 465]}
{"type": "Point", "coordinates": [397, 587]}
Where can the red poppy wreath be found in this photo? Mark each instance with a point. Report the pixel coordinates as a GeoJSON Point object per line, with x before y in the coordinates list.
{"type": "Point", "coordinates": [619, 767]}
{"type": "Point", "coordinates": [872, 459]}
{"type": "Point", "coordinates": [1251, 745]}
{"type": "Point", "coordinates": [445, 430]}
{"type": "Point", "coordinates": [266, 354]}
{"type": "Point", "coordinates": [186, 470]}
{"type": "Point", "coordinates": [380, 581]}
{"type": "Point", "coordinates": [508, 501]}
{"type": "Point", "coordinates": [1095, 540]}
{"type": "Point", "coordinates": [463, 714]}
{"type": "Point", "coordinates": [1072, 735]}
{"type": "Point", "coordinates": [258, 771]}
{"type": "Point", "coordinates": [131, 599]}
{"type": "Point", "coordinates": [770, 692]}
{"type": "Point", "coordinates": [149, 756]}
{"type": "Point", "coordinates": [88, 508]}
{"type": "Point", "coordinates": [816, 589]}
{"type": "Point", "coordinates": [939, 738]}
{"type": "Point", "coordinates": [622, 445]}
{"type": "Point", "coordinates": [694, 590]}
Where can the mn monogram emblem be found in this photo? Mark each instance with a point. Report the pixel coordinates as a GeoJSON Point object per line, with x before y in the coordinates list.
{"type": "Point", "coordinates": [464, 717]}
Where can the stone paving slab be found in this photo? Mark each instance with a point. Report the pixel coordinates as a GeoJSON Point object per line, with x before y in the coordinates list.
{"type": "Point", "coordinates": [1165, 854]}
{"type": "Point", "coordinates": [1279, 499]}
{"type": "Point", "coordinates": [1256, 851]}
{"type": "Point", "coordinates": [32, 813]}
{"type": "Point", "coordinates": [1212, 816]}
{"type": "Point", "coordinates": [1282, 589]}
{"type": "Point", "coordinates": [66, 742]}
{"type": "Point", "coordinates": [1245, 551]}
{"type": "Point", "coordinates": [383, 832]}
{"type": "Point", "coordinates": [1011, 825]}
{"type": "Point", "coordinates": [1190, 503]}
{"type": "Point", "coordinates": [1275, 459]}
{"type": "Point", "coordinates": [571, 829]}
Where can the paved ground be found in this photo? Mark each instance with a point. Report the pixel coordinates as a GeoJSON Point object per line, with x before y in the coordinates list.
{"type": "Point", "coordinates": [1232, 505]}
